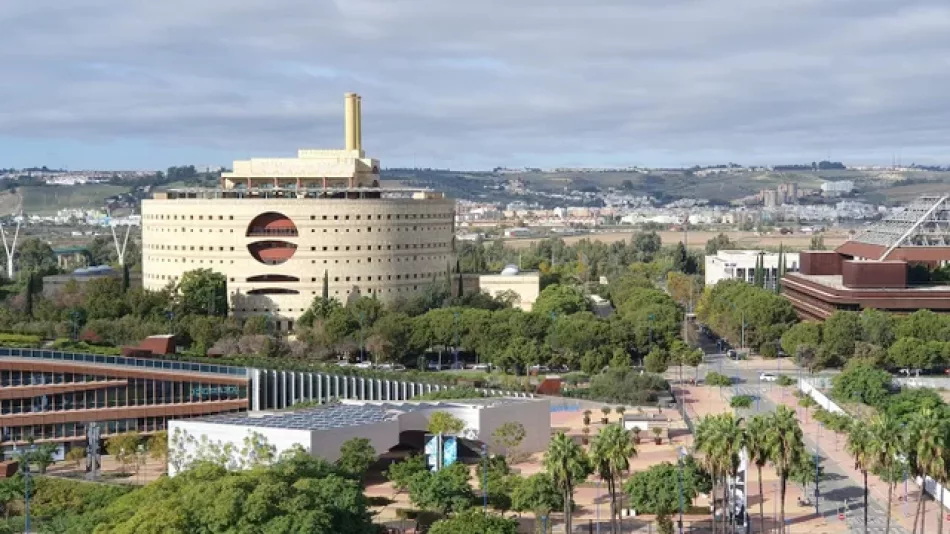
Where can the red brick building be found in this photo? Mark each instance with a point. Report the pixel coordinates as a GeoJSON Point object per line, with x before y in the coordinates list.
{"type": "Point", "coordinates": [872, 270]}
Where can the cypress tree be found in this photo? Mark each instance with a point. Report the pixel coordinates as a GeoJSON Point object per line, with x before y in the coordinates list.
{"type": "Point", "coordinates": [28, 298]}
{"type": "Point", "coordinates": [458, 272]}
{"type": "Point", "coordinates": [326, 286]}
{"type": "Point", "coordinates": [126, 280]}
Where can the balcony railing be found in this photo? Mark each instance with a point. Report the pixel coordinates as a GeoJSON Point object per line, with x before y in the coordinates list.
{"type": "Point", "coordinates": [144, 363]}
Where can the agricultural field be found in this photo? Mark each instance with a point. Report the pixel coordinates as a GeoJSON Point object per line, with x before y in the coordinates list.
{"type": "Point", "coordinates": [697, 240]}
{"type": "Point", "coordinates": [47, 200]}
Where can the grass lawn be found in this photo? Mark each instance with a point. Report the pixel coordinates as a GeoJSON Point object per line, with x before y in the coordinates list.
{"type": "Point", "coordinates": [49, 199]}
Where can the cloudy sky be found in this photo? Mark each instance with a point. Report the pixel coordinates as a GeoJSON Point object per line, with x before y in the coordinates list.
{"type": "Point", "coordinates": [475, 84]}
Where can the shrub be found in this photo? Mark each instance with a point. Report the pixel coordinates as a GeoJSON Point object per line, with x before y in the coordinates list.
{"type": "Point", "coordinates": [715, 379]}
{"type": "Point", "coordinates": [740, 401]}
{"type": "Point", "coordinates": [785, 381]}
{"type": "Point", "coordinates": [862, 383]}
{"type": "Point", "coordinates": [453, 393]}
{"type": "Point", "coordinates": [20, 340]}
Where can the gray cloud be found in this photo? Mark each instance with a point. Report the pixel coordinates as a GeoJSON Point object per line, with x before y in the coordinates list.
{"type": "Point", "coordinates": [490, 82]}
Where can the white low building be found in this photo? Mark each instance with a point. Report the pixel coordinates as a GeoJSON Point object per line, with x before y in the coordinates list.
{"type": "Point", "coordinates": [740, 265]}
{"type": "Point", "coordinates": [322, 430]}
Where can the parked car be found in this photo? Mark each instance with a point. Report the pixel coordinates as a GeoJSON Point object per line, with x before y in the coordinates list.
{"type": "Point", "coordinates": [732, 354]}
{"type": "Point", "coordinates": [363, 365]}
{"type": "Point", "coordinates": [482, 367]}
{"type": "Point", "coordinates": [768, 377]}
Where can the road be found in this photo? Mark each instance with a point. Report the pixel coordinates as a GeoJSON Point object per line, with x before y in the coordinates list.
{"type": "Point", "coordinates": [839, 484]}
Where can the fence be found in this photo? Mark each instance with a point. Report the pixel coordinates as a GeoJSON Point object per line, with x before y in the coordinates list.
{"type": "Point", "coordinates": [930, 486]}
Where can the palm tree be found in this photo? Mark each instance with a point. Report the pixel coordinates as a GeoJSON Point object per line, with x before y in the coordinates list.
{"type": "Point", "coordinates": [567, 464]}
{"type": "Point", "coordinates": [941, 475]}
{"type": "Point", "coordinates": [720, 439]}
{"type": "Point", "coordinates": [886, 455]}
{"type": "Point", "coordinates": [756, 431]}
{"type": "Point", "coordinates": [610, 455]}
{"type": "Point", "coordinates": [859, 446]}
{"type": "Point", "coordinates": [786, 447]}
{"type": "Point", "coordinates": [925, 445]}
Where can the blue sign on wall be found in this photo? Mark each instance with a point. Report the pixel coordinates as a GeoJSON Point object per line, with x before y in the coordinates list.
{"type": "Point", "coordinates": [450, 451]}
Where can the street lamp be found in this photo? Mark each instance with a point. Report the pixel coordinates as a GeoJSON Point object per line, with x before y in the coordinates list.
{"type": "Point", "coordinates": [682, 454]}
{"type": "Point", "coordinates": [485, 477]}
{"type": "Point", "coordinates": [817, 464]}
{"type": "Point", "coordinates": [25, 461]}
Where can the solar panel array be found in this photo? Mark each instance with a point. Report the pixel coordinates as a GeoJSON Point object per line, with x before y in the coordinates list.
{"type": "Point", "coordinates": [323, 418]}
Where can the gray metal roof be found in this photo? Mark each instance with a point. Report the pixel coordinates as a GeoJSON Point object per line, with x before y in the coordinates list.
{"type": "Point", "coordinates": [322, 418]}
{"type": "Point", "coordinates": [343, 415]}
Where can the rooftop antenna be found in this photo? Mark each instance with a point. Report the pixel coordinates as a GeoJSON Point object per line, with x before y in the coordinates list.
{"type": "Point", "coordinates": [10, 248]}
{"type": "Point", "coordinates": [119, 250]}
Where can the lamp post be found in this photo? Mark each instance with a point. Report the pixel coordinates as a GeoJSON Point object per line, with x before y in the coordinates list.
{"type": "Point", "coordinates": [485, 478]}
{"type": "Point", "coordinates": [817, 464]}
{"type": "Point", "coordinates": [682, 454]}
{"type": "Point", "coordinates": [455, 348]}
{"type": "Point", "coordinates": [362, 318]}
{"type": "Point", "coordinates": [27, 477]}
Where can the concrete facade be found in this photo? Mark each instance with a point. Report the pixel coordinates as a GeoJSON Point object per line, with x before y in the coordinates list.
{"type": "Point", "coordinates": [384, 425]}
{"type": "Point", "coordinates": [527, 287]}
{"type": "Point", "coordinates": [278, 226]}
{"type": "Point", "coordinates": [740, 265]}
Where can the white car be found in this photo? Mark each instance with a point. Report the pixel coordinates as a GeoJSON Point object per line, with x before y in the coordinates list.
{"type": "Point", "coordinates": [768, 377]}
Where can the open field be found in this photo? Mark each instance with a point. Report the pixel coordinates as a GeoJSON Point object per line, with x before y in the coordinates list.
{"type": "Point", "coordinates": [47, 200]}
{"type": "Point", "coordinates": [697, 240]}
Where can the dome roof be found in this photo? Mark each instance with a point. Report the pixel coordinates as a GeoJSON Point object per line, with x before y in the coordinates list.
{"type": "Point", "coordinates": [510, 270]}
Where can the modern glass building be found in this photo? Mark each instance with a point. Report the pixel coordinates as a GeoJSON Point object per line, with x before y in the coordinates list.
{"type": "Point", "coordinates": [51, 396]}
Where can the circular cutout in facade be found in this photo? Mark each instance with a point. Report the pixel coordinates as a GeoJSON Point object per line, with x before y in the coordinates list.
{"type": "Point", "coordinates": [271, 224]}
{"type": "Point", "coordinates": [272, 252]}
{"type": "Point", "coordinates": [273, 291]}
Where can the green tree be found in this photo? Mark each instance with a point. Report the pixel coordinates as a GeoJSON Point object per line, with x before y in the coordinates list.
{"type": "Point", "coordinates": [720, 242]}
{"type": "Point", "coordinates": [656, 361]}
{"type": "Point", "coordinates": [757, 447]}
{"type": "Point", "coordinates": [567, 464]}
{"type": "Point", "coordinates": [679, 258]}
{"type": "Point", "coordinates": [446, 490]}
{"type": "Point", "coordinates": [886, 448]}
{"type": "Point", "coordinates": [786, 448]}
{"type": "Point", "coordinates": [877, 327]}
{"type": "Point", "coordinates": [561, 300]}
{"type": "Point", "coordinates": [839, 333]}
{"type": "Point", "coordinates": [657, 490]}
{"type": "Point", "coordinates": [400, 473]}
{"type": "Point", "coordinates": [861, 383]}
{"type": "Point", "coordinates": [356, 456]}
{"type": "Point", "coordinates": [123, 447]}
{"type": "Point", "coordinates": [445, 423]}
{"type": "Point", "coordinates": [926, 445]}
{"type": "Point", "coordinates": [37, 257]}
{"type": "Point", "coordinates": [498, 482]}
{"type": "Point", "coordinates": [472, 521]}
{"type": "Point", "coordinates": [720, 438]}
{"type": "Point", "coordinates": [806, 333]}
{"type": "Point", "coordinates": [508, 437]}
{"type": "Point", "coordinates": [158, 447]}
{"type": "Point", "coordinates": [817, 242]}
{"type": "Point", "coordinates": [203, 292]}
{"type": "Point", "coordinates": [11, 490]}
{"type": "Point", "coordinates": [645, 246]}
{"type": "Point", "coordinates": [610, 454]}
{"type": "Point", "coordinates": [537, 494]}
{"type": "Point", "coordinates": [860, 448]}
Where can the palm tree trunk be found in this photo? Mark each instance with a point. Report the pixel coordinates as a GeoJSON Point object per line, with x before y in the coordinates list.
{"type": "Point", "coordinates": [865, 473]}
{"type": "Point", "coordinates": [567, 508]}
{"type": "Point", "coordinates": [923, 510]}
{"type": "Point", "coordinates": [712, 494]}
{"type": "Point", "coordinates": [725, 500]}
{"type": "Point", "coordinates": [613, 505]}
{"type": "Point", "coordinates": [920, 500]}
{"type": "Point", "coordinates": [890, 498]}
{"type": "Point", "coordinates": [781, 514]}
{"type": "Point", "coordinates": [761, 501]}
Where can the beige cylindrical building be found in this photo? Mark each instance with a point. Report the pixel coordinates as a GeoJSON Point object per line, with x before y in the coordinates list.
{"type": "Point", "coordinates": [277, 226]}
